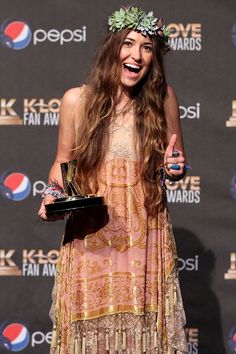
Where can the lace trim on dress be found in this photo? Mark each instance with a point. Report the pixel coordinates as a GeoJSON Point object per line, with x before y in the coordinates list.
{"type": "Point", "coordinates": [129, 333]}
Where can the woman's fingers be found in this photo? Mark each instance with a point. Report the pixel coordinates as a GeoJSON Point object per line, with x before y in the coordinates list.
{"type": "Point", "coordinates": [171, 160]}
{"type": "Point", "coordinates": [42, 211]}
{"type": "Point", "coordinates": [171, 146]}
{"type": "Point", "coordinates": [175, 163]}
{"type": "Point", "coordinates": [176, 167]}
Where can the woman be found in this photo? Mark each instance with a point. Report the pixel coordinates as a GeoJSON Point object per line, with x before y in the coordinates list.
{"type": "Point", "coordinates": [117, 290]}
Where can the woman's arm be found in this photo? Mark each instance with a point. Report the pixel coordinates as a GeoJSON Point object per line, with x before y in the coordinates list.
{"type": "Point", "coordinates": [175, 165]}
{"type": "Point", "coordinates": [66, 142]}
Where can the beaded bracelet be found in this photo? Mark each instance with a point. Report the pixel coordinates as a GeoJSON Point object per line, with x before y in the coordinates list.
{"type": "Point", "coordinates": [173, 178]}
{"type": "Point", "coordinates": [54, 189]}
{"type": "Point", "coordinates": [164, 176]}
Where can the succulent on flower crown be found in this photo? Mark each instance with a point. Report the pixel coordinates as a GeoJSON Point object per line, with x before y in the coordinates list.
{"type": "Point", "coordinates": [117, 20]}
{"type": "Point", "coordinates": [135, 18]}
{"type": "Point", "coordinates": [148, 24]}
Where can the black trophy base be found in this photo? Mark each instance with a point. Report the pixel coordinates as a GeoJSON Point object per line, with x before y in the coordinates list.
{"type": "Point", "coordinates": [74, 203]}
{"type": "Point", "coordinates": [85, 221]}
{"type": "Point", "coordinates": [87, 214]}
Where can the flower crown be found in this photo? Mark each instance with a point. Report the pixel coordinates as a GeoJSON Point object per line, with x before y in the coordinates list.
{"type": "Point", "coordinates": [135, 18]}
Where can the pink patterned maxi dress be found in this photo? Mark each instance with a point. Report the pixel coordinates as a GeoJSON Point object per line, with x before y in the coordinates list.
{"type": "Point", "coordinates": [117, 291]}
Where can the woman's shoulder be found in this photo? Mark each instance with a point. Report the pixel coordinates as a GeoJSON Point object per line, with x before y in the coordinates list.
{"type": "Point", "coordinates": [72, 104]}
{"type": "Point", "coordinates": [73, 96]}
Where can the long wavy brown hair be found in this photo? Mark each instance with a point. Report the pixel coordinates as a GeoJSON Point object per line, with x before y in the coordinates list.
{"type": "Point", "coordinates": [150, 133]}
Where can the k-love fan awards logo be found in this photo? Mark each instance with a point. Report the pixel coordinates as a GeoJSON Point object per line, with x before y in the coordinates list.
{"type": "Point", "coordinates": [186, 190]}
{"type": "Point", "coordinates": [36, 112]}
{"type": "Point", "coordinates": [17, 34]}
{"type": "Point", "coordinates": [34, 263]}
{"type": "Point", "coordinates": [231, 122]}
{"type": "Point", "coordinates": [231, 273]}
{"type": "Point", "coordinates": [186, 37]}
{"type": "Point", "coordinates": [192, 335]}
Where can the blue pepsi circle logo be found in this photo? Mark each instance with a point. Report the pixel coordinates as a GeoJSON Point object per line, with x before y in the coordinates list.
{"type": "Point", "coordinates": [232, 339]}
{"type": "Point", "coordinates": [14, 337]}
{"type": "Point", "coordinates": [15, 186]}
{"type": "Point", "coordinates": [15, 34]}
{"type": "Point", "coordinates": [233, 187]}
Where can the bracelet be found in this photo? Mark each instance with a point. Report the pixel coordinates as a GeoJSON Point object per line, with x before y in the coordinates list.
{"type": "Point", "coordinates": [164, 176]}
{"type": "Point", "coordinates": [173, 178]}
{"type": "Point", "coordinates": [54, 189]}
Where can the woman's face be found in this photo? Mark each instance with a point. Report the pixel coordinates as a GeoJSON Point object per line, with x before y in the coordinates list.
{"type": "Point", "coordinates": [136, 56]}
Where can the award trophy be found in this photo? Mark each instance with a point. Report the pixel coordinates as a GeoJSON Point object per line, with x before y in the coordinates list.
{"type": "Point", "coordinates": [88, 213]}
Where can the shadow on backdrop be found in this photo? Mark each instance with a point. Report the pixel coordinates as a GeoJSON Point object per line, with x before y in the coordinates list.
{"type": "Point", "coordinates": [196, 265]}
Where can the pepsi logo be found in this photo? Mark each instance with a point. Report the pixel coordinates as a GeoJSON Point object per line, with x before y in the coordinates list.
{"type": "Point", "coordinates": [14, 337]}
{"type": "Point", "coordinates": [15, 34]}
{"type": "Point", "coordinates": [15, 186]}
{"type": "Point", "coordinates": [232, 339]}
{"type": "Point", "coordinates": [233, 187]}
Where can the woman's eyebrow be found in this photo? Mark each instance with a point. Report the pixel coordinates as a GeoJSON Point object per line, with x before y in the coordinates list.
{"type": "Point", "coordinates": [133, 40]}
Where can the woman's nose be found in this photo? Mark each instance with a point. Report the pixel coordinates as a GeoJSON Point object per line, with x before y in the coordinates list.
{"type": "Point", "coordinates": [136, 54]}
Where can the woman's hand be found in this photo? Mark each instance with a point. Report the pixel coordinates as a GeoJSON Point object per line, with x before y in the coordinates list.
{"type": "Point", "coordinates": [49, 199]}
{"type": "Point", "coordinates": [174, 159]}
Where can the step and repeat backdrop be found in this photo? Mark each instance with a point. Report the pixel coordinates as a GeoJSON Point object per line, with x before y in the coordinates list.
{"type": "Point", "coordinates": [47, 47]}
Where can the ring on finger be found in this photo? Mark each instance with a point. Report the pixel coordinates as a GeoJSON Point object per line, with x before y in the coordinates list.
{"type": "Point", "coordinates": [175, 153]}
{"type": "Point", "coordinates": [175, 167]}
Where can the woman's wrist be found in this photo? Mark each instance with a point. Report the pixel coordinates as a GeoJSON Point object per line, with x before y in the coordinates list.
{"type": "Point", "coordinates": [54, 190]}
{"type": "Point", "coordinates": [165, 174]}
{"type": "Point", "coordinates": [175, 178]}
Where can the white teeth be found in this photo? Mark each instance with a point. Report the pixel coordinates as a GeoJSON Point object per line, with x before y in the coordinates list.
{"type": "Point", "coordinates": [133, 66]}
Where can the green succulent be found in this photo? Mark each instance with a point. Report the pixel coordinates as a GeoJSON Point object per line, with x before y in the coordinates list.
{"type": "Point", "coordinates": [148, 24]}
{"type": "Point", "coordinates": [136, 18]}
{"type": "Point", "coordinates": [166, 32]}
{"type": "Point", "coordinates": [117, 20]}
{"type": "Point", "coordinates": [133, 17]}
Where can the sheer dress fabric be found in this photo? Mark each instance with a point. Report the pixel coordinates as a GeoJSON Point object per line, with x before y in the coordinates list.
{"type": "Point", "coordinates": [117, 291]}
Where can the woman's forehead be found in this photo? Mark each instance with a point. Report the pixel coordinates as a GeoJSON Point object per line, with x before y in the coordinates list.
{"type": "Point", "coordinates": [135, 35]}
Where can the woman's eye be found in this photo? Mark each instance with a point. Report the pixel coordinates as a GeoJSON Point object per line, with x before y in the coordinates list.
{"type": "Point", "coordinates": [147, 48]}
{"type": "Point", "coordinates": [127, 44]}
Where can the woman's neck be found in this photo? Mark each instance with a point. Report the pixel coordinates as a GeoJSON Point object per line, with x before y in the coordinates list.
{"type": "Point", "coordinates": [124, 99]}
